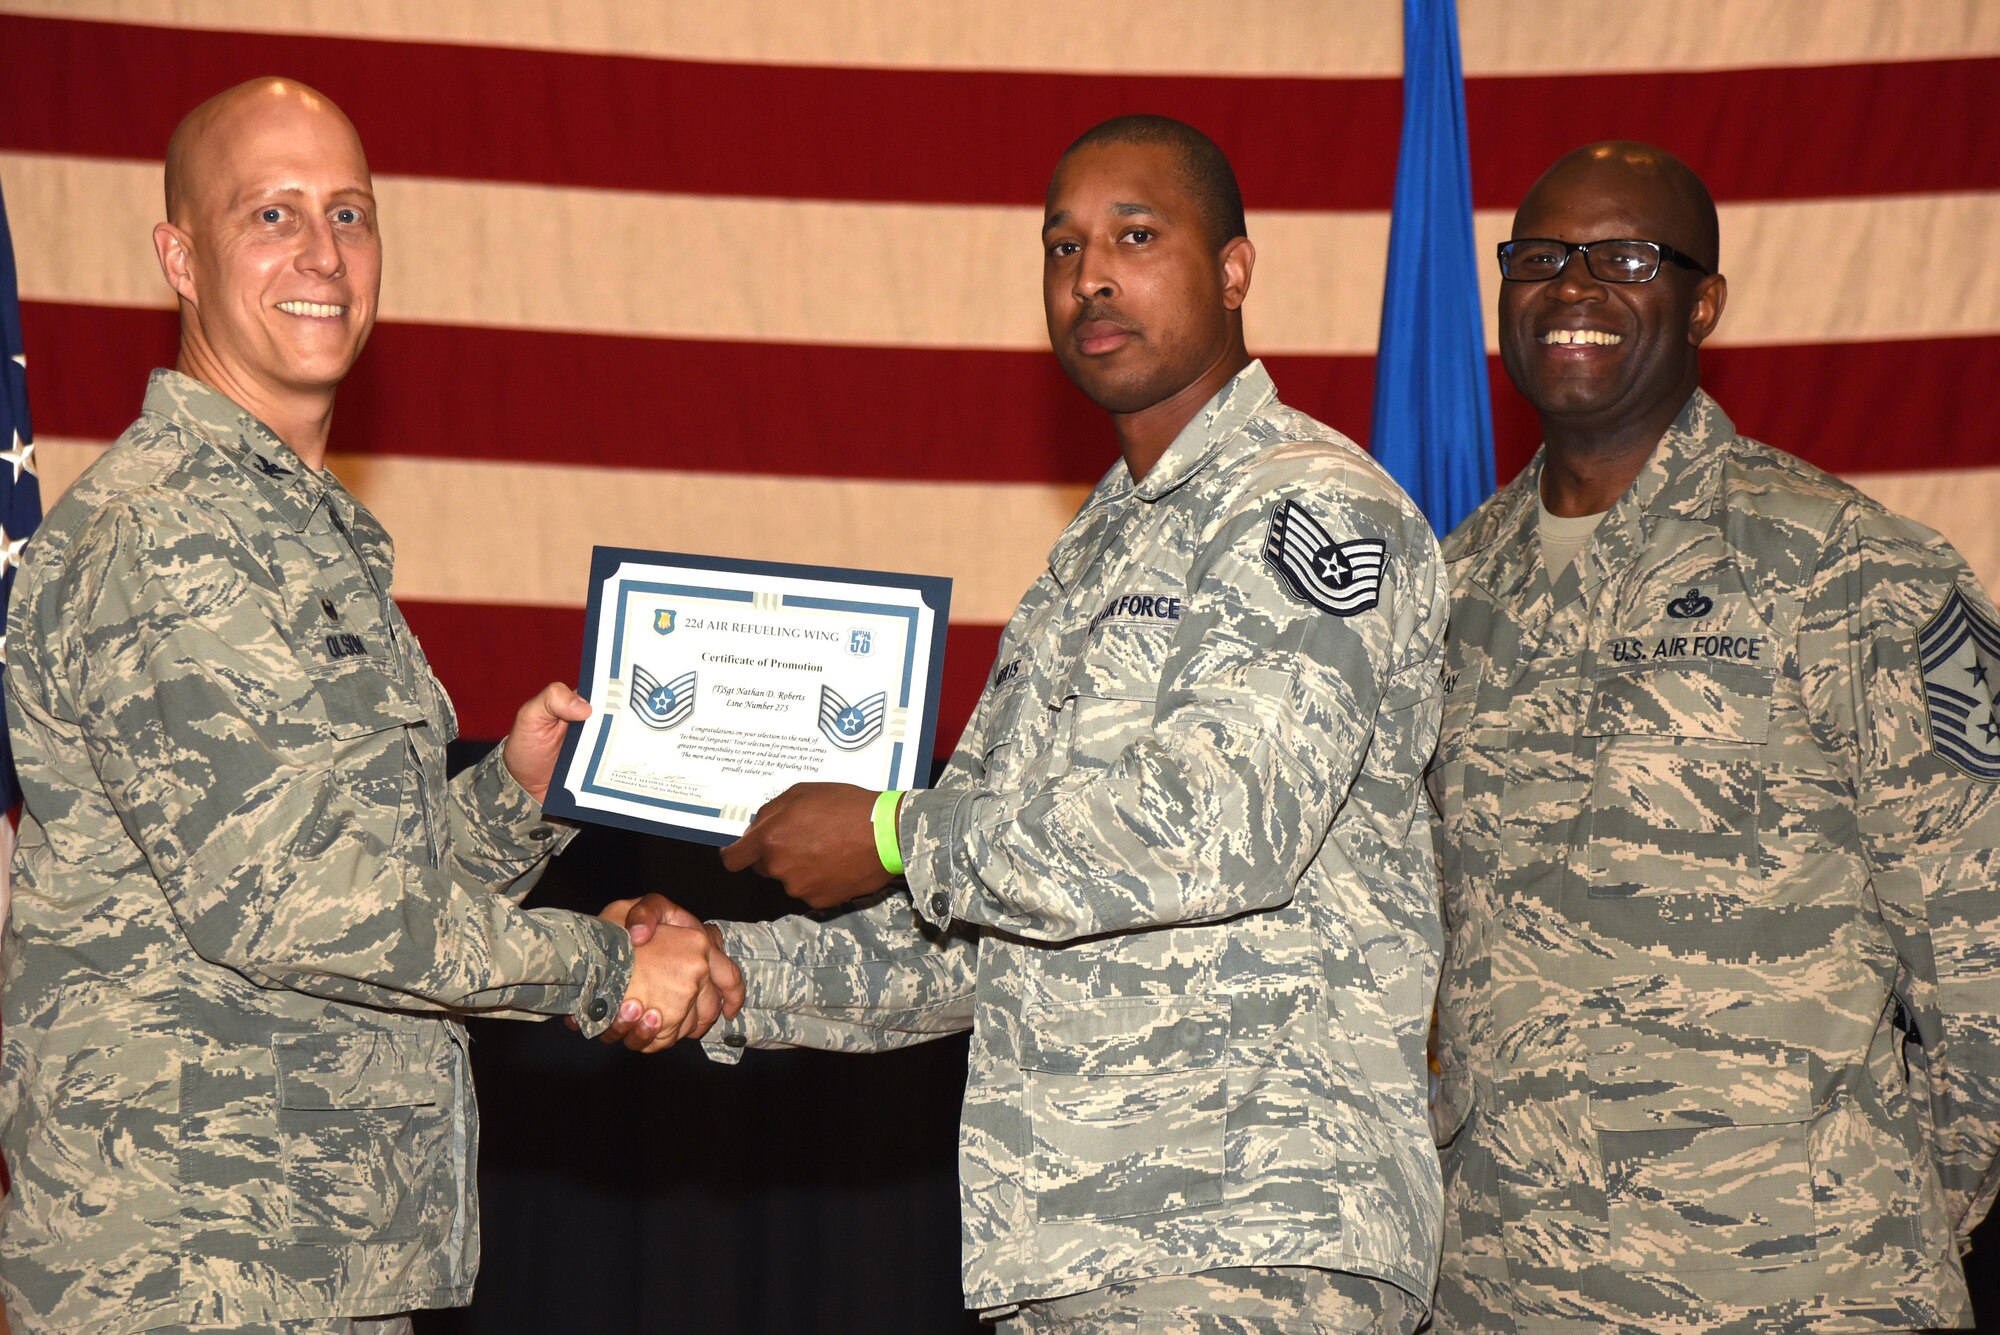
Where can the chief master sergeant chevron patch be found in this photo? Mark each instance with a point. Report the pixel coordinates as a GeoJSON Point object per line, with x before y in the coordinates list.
{"type": "Point", "coordinates": [1959, 648]}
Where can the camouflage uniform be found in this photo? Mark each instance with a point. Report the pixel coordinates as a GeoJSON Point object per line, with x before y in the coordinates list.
{"type": "Point", "coordinates": [1240, 1301]}
{"type": "Point", "coordinates": [1175, 882]}
{"type": "Point", "coordinates": [1722, 985]}
{"type": "Point", "coordinates": [394, 1325]}
{"type": "Point", "coordinates": [245, 901]}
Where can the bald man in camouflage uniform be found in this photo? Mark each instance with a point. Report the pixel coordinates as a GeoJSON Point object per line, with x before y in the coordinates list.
{"type": "Point", "coordinates": [1720, 786]}
{"type": "Point", "coordinates": [249, 908]}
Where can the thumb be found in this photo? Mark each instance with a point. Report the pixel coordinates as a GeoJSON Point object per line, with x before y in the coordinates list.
{"type": "Point", "coordinates": [559, 701]}
{"type": "Point", "coordinates": [653, 911]}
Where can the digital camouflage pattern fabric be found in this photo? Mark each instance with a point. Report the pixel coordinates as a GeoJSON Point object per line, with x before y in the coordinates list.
{"type": "Point", "coordinates": [1175, 881]}
{"type": "Point", "coordinates": [248, 906]}
{"type": "Point", "coordinates": [1720, 1022]}
{"type": "Point", "coordinates": [1238, 1301]}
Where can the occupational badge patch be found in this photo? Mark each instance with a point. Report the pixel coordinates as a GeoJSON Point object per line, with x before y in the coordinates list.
{"type": "Point", "coordinates": [1694, 605]}
{"type": "Point", "coordinates": [662, 705]}
{"type": "Point", "coordinates": [1959, 649]}
{"type": "Point", "coordinates": [1338, 577]}
{"type": "Point", "coordinates": [851, 726]}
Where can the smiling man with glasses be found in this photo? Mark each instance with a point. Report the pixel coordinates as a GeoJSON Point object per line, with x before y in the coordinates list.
{"type": "Point", "coordinates": [1719, 792]}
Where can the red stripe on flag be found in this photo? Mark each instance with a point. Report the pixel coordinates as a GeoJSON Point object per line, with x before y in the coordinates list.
{"type": "Point", "coordinates": [1824, 403]}
{"type": "Point", "coordinates": [812, 410]}
{"type": "Point", "coordinates": [953, 136]}
{"type": "Point", "coordinates": [492, 658]}
{"type": "Point", "coordinates": [932, 415]}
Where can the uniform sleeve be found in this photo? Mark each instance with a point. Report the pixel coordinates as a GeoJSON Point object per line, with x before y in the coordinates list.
{"type": "Point", "coordinates": [500, 842]}
{"type": "Point", "coordinates": [278, 812]}
{"type": "Point", "coordinates": [867, 979]}
{"type": "Point", "coordinates": [1210, 795]}
{"type": "Point", "coordinates": [872, 977]}
{"type": "Point", "coordinates": [1901, 646]}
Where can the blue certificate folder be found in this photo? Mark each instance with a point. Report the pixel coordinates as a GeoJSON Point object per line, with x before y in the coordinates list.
{"type": "Point", "coordinates": [716, 683]}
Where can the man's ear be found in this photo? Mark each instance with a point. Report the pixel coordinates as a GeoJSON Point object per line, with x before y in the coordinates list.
{"type": "Point", "coordinates": [1710, 296]}
{"type": "Point", "coordinates": [1239, 257]}
{"type": "Point", "coordinates": [175, 251]}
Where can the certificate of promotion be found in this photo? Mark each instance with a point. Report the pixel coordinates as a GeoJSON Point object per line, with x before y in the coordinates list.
{"type": "Point", "coordinates": [716, 684]}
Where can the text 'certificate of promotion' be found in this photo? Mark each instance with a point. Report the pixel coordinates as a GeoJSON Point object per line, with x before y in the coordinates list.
{"type": "Point", "coordinates": [716, 684]}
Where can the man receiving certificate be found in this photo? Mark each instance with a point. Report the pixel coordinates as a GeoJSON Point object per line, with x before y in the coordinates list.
{"type": "Point", "coordinates": [1173, 878]}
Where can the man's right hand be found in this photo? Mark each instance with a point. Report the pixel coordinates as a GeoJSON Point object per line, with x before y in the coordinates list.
{"type": "Point", "coordinates": [682, 981]}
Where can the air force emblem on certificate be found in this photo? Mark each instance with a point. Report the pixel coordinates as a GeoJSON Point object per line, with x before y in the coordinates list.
{"type": "Point", "coordinates": [1338, 577]}
{"type": "Point", "coordinates": [1960, 652]}
{"type": "Point", "coordinates": [851, 726]}
{"type": "Point", "coordinates": [663, 620]}
{"type": "Point", "coordinates": [662, 704]}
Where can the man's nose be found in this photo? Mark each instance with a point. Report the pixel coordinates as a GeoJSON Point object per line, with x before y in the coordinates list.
{"type": "Point", "coordinates": [1094, 277]}
{"type": "Point", "coordinates": [319, 254]}
{"type": "Point", "coordinates": [1576, 282]}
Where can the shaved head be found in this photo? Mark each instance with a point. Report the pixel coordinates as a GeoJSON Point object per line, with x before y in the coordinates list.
{"type": "Point", "coordinates": [205, 134]}
{"type": "Point", "coordinates": [1665, 186]}
{"type": "Point", "coordinates": [1204, 168]}
{"type": "Point", "coordinates": [1609, 364]}
{"type": "Point", "coordinates": [271, 244]}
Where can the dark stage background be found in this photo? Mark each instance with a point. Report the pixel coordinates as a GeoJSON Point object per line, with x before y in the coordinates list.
{"type": "Point", "coordinates": [796, 1192]}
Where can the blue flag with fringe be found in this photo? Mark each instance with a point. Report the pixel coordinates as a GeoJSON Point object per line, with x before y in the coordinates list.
{"type": "Point", "coordinates": [1433, 423]}
{"type": "Point", "coordinates": [20, 492]}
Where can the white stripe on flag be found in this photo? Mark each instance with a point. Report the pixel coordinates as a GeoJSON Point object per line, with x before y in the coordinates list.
{"type": "Point", "coordinates": [992, 539]}
{"type": "Point", "coordinates": [1245, 37]}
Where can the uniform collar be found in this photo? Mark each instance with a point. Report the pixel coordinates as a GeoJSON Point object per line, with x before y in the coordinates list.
{"type": "Point", "coordinates": [269, 464]}
{"type": "Point", "coordinates": [1681, 478]}
{"type": "Point", "coordinates": [1248, 392]}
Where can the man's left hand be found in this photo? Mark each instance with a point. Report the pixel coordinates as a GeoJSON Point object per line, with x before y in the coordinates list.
{"type": "Point", "coordinates": [536, 737]}
{"type": "Point", "coordinates": [816, 838]}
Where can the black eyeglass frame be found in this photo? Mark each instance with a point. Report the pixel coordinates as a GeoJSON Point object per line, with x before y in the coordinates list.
{"type": "Point", "coordinates": [1571, 248]}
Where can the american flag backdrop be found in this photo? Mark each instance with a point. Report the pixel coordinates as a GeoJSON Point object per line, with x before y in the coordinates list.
{"type": "Point", "coordinates": [761, 278]}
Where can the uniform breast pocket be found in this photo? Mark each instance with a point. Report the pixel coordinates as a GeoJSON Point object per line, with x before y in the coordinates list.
{"type": "Point", "coordinates": [1706, 1163]}
{"type": "Point", "coordinates": [369, 714]}
{"type": "Point", "coordinates": [364, 696]}
{"type": "Point", "coordinates": [1677, 781]}
{"type": "Point", "coordinates": [1445, 778]}
{"type": "Point", "coordinates": [1010, 732]}
{"type": "Point", "coordinates": [1114, 693]}
{"type": "Point", "coordinates": [1128, 1107]}
{"type": "Point", "coordinates": [366, 1132]}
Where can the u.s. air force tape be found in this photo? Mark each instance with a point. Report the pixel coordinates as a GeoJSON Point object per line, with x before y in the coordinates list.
{"type": "Point", "coordinates": [1338, 577]}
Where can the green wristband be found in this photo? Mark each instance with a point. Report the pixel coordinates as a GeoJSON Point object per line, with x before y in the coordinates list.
{"type": "Point", "coordinates": [884, 821]}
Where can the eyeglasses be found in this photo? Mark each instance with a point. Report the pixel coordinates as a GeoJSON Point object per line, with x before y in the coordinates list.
{"type": "Point", "coordinates": [1536, 259]}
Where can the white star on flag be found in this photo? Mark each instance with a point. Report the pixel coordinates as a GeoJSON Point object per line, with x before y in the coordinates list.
{"type": "Point", "coordinates": [22, 456]}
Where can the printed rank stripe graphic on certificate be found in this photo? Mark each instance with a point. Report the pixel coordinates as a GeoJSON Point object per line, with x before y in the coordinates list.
{"type": "Point", "coordinates": [715, 684]}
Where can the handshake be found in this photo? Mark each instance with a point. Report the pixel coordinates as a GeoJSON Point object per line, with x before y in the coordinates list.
{"type": "Point", "coordinates": [682, 982]}
{"type": "Point", "coordinates": [815, 839]}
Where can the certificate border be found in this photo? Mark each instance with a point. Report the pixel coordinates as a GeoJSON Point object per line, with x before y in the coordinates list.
{"type": "Point", "coordinates": [934, 591]}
